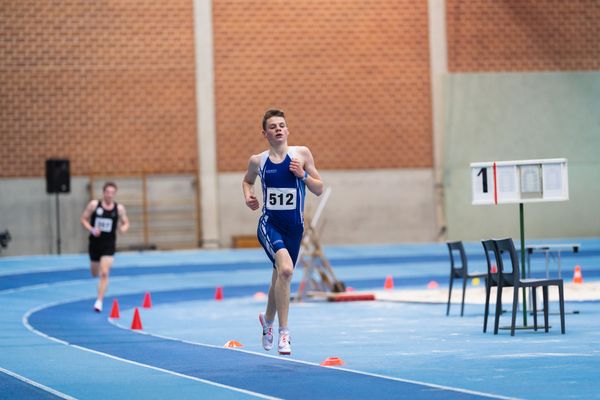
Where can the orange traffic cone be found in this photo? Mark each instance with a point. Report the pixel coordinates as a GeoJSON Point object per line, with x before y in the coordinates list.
{"type": "Point", "coordinates": [114, 312]}
{"type": "Point", "coordinates": [233, 344]}
{"type": "Point", "coordinates": [137, 321]}
{"type": "Point", "coordinates": [219, 293]}
{"type": "Point", "coordinates": [147, 301]}
{"type": "Point", "coordinates": [302, 286]}
{"type": "Point", "coordinates": [494, 269]}
{"type": "Point", "coordinates": [577, 276]}
{"type": "Point", "coordinates": [389, 283]}
{"type": "Point", "coordinates": [432, 285]}
{"type": "Point", "coordinates": [330, 361]}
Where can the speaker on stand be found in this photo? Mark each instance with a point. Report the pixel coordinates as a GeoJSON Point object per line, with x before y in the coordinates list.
{"type": "Point", "coordinates": [58, 180]}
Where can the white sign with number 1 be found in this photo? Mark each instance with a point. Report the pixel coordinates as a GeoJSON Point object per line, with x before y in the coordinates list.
{"type": "Point", "coordinates": [524, 181]}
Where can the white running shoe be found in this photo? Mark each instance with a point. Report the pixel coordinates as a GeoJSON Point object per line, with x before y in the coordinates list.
{"type": "Point", "coordinates": [285, 343]}
{"type": "Point", "coordinates": [98, 305]}
{"type": "Point", "coordinates": [267, 333]}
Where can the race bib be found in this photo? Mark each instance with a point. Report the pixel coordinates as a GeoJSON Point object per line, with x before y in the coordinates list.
{"type": "Point", "coordinates": [103, 224]}
{"type": "Point", "coordinates": [281, 199]}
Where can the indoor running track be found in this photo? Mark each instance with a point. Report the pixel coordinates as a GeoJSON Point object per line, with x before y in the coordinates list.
{"type": "Point", "coordinates": [54, 346]}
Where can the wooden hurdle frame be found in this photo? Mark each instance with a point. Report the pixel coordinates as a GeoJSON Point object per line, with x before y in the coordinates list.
{"type": "Point", "coordinates": [318, 278]}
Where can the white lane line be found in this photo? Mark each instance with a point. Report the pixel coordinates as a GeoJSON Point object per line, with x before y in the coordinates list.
{"type": "Point", "coordinates": [432, 385]}
{"type": "Point", "coordinates": [37, 384]}
{"type": "Point", "coordinates": [27, 325]}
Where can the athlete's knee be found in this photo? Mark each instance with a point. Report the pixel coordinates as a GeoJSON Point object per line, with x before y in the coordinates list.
{"type": "Point", "coordinates": [285, 270]}
{"type": "Point", "coordinates": [104, 274]}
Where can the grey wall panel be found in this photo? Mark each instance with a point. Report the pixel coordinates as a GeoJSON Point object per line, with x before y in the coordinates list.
{"type": "Point", "coordinates": [499, 117]}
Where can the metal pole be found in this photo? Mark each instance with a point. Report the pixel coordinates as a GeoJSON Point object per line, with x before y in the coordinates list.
{"type": "Point", "coordinates": [523, 275]}
{"type": "Point", "coordinates": [57, 225]}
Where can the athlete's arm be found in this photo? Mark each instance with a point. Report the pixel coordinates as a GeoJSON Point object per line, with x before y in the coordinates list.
{"type": "Point", "coordinates": [248, 182]}
{"type": "Point", "coordinates": [307, 163]}
{"type": "Point", "coordinates": [123, 218]}
{"type": "Point", "coordinates": [85, 218]}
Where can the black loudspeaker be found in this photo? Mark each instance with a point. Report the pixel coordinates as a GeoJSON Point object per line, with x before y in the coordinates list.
{"type": "Point", "coordinates": [58, 177]}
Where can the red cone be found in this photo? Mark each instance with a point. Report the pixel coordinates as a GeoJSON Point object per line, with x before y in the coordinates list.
{"type": "Point", "coordinates": [432, 285]}
{"type": "Point", "coordinates": [219, 293]}
{"type": "Point", "coordinates": [330, 361]}
{"type": "Point", "coordinates": [233, 344]}
{"type": "Point", "coordinates": [577, 275]}
{"type": "Point", "coordinates": [114, 312]}
{"type": "Point", "coordinates": [389, 283]}
{"type": "Point", "coordinates": [147, 301]}
{"type": "Point", "coordinates": [137, 321]}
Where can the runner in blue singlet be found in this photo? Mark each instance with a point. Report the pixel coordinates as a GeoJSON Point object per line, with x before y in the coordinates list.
{"type": "Point", "coordinates": [285, 172]}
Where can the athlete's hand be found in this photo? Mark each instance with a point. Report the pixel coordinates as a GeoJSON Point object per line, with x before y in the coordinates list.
{"type": "Point", "coordinates": [252, 202]}
{"type": "Point", "coordinates": [296, 168]}
{"type": "Point", "coordinates": [123, 229]}
{"type": "Point", "coordinates": [95, 232]}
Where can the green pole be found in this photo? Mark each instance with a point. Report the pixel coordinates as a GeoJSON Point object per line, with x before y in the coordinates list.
{"type": "Point", "coordinates": [523, 276]}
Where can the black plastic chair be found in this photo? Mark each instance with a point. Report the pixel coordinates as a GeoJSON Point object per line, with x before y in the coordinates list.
{"type": "Point", "coordinates": [513, 279]}
{"type": "Point", "coordinates": [460, 272]}
{"type": "Point", "coordinates": [492, 278]}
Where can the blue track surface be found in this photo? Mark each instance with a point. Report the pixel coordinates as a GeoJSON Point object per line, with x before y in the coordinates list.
{"type": "Point", "coordinates": [390, 349]}
{"type": "Point", "coordinates": [73, 323]}
{"type": "Point", "coordinates": [13, 281]}
{"type": "Point", "coordinates": [14, 388]}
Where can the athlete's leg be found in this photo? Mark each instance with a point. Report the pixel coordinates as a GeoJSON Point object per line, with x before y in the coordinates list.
{"type": "Point", "coordinates": [266, 320]}
{"type": "Point", "coordinates": [94, 268]}
{"type": "Point", "coordinates": [285, 261]}
{"type": "Point", "coordinates": [105, 264]}
{"type": "Point", "coordinates": [267, 235]}
{"type": "Point", "coordinates": [271, 307]}
{"type": "Point", "coordinates": [285, 269]}
{"type": "Point", "coordinates": [94, 258]}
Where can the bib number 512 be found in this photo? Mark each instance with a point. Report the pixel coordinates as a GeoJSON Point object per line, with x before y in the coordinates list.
{"type": "Point", "coordinates": [281, 198]}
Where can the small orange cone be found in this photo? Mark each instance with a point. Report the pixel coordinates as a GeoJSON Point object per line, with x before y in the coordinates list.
{"type": "Point", "coordinates": [219, 293]}
{"type": "Point", "coordinates": [114, 312]}
{"type": "Point", "coordinates": [260, 295]}
{"type": "Point", "coordinates": [302, 286]}
{"type": "Point", "coordinates": [577, 276]}
{"type": "Point", "coordinates": [331, 361]}
{"type": "Point", "coordinates": [147, 301]}
{"type": "Point", "coordinates": [233, 344]}
{"type": "Point", "coordinates": [389, 283]}
{"type": "Point", "coordinates": [349, 289]}
{"type": "Point", "coordinates": [432, 285]}
{"type": "Point", "coordinates": [494, 269]}
{"type": "Point", "coordinates": [137, 321]}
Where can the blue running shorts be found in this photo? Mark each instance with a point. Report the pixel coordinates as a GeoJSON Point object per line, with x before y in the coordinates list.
{"type": "Point", "coordinates": [274, 239]}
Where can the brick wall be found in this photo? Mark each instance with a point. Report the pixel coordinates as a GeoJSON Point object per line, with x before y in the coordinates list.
{"type": "Point", "coordinates": [523, 35]}
{"type": "Point", "coordinates": [352, 75]}
{"type": "Point", "coordinates": [107, 84]}
{"type": "Point", "coordinates": [110, 85]}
